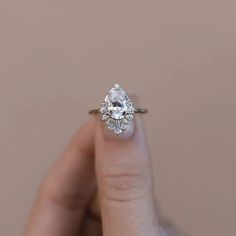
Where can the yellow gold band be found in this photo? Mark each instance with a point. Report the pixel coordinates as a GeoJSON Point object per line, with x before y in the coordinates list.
{"type": "Point", "coordinates": [137, 110]}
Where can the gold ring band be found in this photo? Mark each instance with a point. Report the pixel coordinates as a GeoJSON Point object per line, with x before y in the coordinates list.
{"type": "Point", "coordinates": [137, 110]}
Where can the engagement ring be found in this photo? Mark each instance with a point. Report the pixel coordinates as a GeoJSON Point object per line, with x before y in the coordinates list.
{"type": "Point", "coordinates": [117, 110]}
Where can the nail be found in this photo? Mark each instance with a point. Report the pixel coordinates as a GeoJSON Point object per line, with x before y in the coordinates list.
{"type": "Point", "coordinates": [127, 134]}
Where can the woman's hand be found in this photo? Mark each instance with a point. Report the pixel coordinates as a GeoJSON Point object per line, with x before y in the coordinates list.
{"type": "Point", "coordinates": [117, 167]}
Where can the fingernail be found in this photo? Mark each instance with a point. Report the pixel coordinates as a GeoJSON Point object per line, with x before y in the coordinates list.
{"type": "Point", "coordinates": [126, 134]}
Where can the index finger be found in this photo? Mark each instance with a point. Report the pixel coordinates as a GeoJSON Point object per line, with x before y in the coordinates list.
{"type": "Point", "coordinates": [65, 192]}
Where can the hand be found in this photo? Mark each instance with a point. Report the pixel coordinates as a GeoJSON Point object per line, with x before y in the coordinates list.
{"type": "Point", "coordinates": [118, 167]}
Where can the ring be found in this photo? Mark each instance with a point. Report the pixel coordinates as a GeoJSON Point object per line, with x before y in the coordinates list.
{"type": "Point", "coordinates": [117, 110]}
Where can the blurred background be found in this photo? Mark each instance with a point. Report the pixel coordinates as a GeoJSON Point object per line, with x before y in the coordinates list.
{"type": "Point", "coordinates": [59, 58]}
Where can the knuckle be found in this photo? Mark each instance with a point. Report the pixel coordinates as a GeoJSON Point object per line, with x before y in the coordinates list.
{"type": "Point", "coordinates": [69, 201]}
{"type": "Point", "coordinates": [124, 185]}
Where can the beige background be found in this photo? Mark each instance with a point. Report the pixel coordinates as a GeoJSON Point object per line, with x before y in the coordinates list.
{"type": "Point", "coordinates": [58, 58]}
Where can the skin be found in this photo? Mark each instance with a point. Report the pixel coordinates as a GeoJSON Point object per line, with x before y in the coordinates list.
{"type": "Point", "coordinates": [101, 185]}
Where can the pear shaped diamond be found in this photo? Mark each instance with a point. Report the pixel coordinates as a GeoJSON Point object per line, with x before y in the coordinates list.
{"type": "Point", "coordinates": [117, 110]}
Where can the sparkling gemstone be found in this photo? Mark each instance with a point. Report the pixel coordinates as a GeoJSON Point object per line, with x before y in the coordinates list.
{"type": "Point", "coordinates": [117, 104]}
{"type": "Point", "coordinates": [117, 110]}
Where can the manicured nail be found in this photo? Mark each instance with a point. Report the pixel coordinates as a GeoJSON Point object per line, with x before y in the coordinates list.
{"type": "Point", "coordinates": [126, 134]}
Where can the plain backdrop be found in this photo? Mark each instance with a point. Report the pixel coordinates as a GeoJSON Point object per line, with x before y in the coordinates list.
{"type": "Point", "coordinates": [58, 58]}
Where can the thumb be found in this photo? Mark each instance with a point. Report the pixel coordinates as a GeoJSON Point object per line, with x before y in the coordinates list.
{"type": "Point", "coordinates": [124, 182]}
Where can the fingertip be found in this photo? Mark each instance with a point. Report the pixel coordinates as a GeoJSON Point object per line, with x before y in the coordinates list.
{"type": "Point", "coordinates": [135, 128]}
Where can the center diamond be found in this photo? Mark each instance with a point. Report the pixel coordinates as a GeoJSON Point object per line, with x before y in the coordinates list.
{"type": "Point", "coordinates": [117, 104]}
